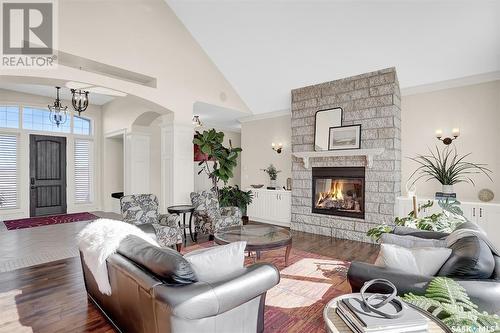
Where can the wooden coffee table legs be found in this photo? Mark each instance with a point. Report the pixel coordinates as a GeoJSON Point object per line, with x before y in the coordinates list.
{"type": "Point", "coordinates": [287, 253]}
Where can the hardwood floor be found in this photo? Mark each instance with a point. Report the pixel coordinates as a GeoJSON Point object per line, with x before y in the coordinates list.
{"type": "Point", "coordinates": [51, 298]}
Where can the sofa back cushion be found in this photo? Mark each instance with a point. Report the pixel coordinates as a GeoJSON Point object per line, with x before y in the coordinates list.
{"type": "Point", "coordinates": [471, 258]}
{"type": "Point", "coordinates": [166, 264]}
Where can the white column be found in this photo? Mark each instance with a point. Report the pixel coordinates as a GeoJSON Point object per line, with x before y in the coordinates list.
{"type": "Point", "coordinates": [177, 180]}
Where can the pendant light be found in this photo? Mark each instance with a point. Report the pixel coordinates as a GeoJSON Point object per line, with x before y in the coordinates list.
{"type": "Point", "coordinates": [58, 113]}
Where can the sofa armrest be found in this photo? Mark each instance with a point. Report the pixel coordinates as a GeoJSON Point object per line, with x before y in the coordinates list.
{"type": "Point", "coordinates": [201, 299]}
{"type": "Point", "coordinates": [485, 293]}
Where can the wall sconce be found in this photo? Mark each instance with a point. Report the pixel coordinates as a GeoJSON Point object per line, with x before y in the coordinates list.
{"type": "Point", "coordinates": [277, 147]}
{"type": "Point", "coordinates": [197, 122]}
{"type": "Point", "coordinates": [447, 141]}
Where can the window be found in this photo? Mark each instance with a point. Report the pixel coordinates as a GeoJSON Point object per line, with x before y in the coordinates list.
{"type": "Point", "coordinates": [81, 126]}
{"type": "Point", "coordinates": [83, 171]}
{"type": "Point", "coordinates": [8, 171]}
{"type": "Point", "coordinates": [38, 120]}
{"type": "Point", "coordinates": [9, 116]}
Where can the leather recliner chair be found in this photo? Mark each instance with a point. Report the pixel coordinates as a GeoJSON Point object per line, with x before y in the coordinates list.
{"type": "Point", "coordinates": [141, 302]}
{"type": "Point", "coordinates": [469, 258]}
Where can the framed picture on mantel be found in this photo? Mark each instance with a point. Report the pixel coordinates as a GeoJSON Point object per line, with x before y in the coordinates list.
{"type": "Point", "coordinates": [344, 137]}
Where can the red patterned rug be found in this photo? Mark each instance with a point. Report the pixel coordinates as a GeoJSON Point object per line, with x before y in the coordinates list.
{"type": "Point", "coordinates": [307, 284]}
{"type": "Point", "coordinates": [48, 220]}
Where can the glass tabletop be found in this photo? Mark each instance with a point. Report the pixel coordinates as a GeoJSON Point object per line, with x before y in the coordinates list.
{"type": "Point", "coordinates": [254, 235]}
{"type": "Point", "coordinates": [180, 208]}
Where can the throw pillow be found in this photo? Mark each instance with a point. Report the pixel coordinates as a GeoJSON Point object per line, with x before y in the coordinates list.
{"type": "Point", "coordinates": [217, 263]}
{"type": "Point", "coordinates": [418, 261]}
{"type": "Point", "coordinates": [166, 264]}
{"type": "Point", "coordinates": [411, 241]}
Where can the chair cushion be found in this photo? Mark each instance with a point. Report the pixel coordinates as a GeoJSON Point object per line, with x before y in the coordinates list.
{"type": "Point", "coordinates": [139, 208]}
{"type": "Point", "coordinates": [471, 258]}
{"type": "Point", "coordinates": [166, 264]}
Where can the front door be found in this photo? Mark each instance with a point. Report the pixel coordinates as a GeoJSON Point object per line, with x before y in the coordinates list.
{"type": "Point", "coordinates": [47, 175]}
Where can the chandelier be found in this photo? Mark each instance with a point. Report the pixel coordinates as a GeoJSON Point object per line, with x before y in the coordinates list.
{"type": "Point", "coordinates": [80, 100]}
{"type": "Point", "coordinates": [58, 113]}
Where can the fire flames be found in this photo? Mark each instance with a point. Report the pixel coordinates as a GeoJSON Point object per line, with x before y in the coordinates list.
{"type": "Point", "coordinates": [335, 193]}
{"type": "Point", "coordinates": [341, 195]}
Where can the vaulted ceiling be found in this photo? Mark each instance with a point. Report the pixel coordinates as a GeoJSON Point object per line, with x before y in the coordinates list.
{"type": "Point", "coordinates": [267, 48]}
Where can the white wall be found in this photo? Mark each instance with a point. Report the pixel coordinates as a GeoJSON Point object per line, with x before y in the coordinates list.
{"type": "Point", "coordinates": [475, 109]}
{"type": "Point", "coordinates": [256, 139]}
{"type": "Point", "coordinates": [113, 170]}
{"type": "Point", "coordinates": [94, 113]}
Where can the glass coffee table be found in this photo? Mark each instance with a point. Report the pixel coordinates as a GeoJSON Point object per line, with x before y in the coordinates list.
{"type": "Point", "coordinates": [258, 237]}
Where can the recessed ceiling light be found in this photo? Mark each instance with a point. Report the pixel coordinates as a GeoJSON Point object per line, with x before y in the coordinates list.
{"type": "Point", "coordinates": [77, 85]}
{"type": "Point", "coordinates": [106, 91]}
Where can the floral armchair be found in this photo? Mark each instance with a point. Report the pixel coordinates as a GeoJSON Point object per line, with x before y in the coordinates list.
{"type": "Point", "coordinates": [209, 216]}
{"type": "Point", "coordinates": [142, 211]}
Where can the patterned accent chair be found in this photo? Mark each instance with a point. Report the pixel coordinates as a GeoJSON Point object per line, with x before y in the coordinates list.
{"type": "Point", "coordinates": [142, 211]}
{"type": "Point", "coordinates": [209, 216]}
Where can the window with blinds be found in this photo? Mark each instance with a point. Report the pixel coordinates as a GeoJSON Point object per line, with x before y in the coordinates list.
{"type": "Point", "coordinates": [8, 171]}
{"type": "Point", "coordinates": [83, 171]}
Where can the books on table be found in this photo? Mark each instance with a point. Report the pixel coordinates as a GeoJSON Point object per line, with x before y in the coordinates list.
{"type": "Point", "coordinates": [361, 319]}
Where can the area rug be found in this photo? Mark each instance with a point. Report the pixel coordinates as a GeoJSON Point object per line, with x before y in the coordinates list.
{"type": "Point", "coordinates": [307, 284]}
{"type": "Point", "coordinates": [48, 220]}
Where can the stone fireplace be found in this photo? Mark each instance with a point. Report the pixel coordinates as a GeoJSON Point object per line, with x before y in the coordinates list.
{"type": "Point", "coordinates": [326, 199]}
{"type": "Point", "coordinates": [339, 191]}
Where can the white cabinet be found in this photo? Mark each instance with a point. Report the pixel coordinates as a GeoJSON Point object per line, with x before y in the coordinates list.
{"type": "Point", "coordinates": [486, 215]}
{"type": "Point", "coordinates": [271, 206]}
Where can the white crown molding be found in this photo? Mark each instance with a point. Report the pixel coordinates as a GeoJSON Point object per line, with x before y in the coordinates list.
{"type": "Point", "coordinates": [267, 115]}
{"type": "Point", "coordinates": [455, 83]}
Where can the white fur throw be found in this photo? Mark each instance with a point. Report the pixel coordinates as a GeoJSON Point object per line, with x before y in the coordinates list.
{"type": "Point", "coordinates": [100, 239]}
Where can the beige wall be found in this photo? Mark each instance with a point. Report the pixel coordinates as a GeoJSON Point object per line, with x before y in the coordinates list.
{"type": "Point", "coordinates": [475, 109]}
{"type": "Point", "coordinates": [256, 139]}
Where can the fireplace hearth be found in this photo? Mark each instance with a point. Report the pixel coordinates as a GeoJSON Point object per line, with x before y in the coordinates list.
{"type": "Point", "coordinates": [339, 191]}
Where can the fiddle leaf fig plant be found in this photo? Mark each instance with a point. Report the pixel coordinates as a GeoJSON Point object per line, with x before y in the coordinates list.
{"type": "Point", "coordinates": [224, 158]}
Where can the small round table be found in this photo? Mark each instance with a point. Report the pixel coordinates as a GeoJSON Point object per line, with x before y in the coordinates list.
{"type": "Point", "coordinates": [335, 324]}
{"type": "Point", "coordinates": [258, 237]}
{"type": "Point", "coordinates": [183, 209]}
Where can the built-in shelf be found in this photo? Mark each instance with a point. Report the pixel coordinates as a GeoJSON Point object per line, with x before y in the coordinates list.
{"type": "Point", "coordinates": [368, 153]}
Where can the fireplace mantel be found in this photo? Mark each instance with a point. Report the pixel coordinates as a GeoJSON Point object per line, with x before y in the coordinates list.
{"type": "Point", "coordinates": [368, 153]}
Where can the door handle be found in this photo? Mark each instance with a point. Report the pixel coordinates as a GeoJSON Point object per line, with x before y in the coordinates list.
{"type": "Point", "coordinates": [480, 212]}
{"type": "Point", "coordinates": [32, 183]}
{"type": "Point", "coordinates": [474, 212]}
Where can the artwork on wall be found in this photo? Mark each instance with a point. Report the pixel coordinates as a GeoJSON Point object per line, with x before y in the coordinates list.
{"type": "Point", "coordinates": [344, 137]}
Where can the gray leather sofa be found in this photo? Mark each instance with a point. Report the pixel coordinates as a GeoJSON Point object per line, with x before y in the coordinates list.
{"type": "Point", "coordinates": [154, 291]}
{"type": "Point", "coordinates": [471, 264]}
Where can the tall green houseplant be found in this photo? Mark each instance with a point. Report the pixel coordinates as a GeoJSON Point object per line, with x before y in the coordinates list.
{"type": "Point", "coordinates": [224, 158]}
{"type": "Point", "coordinates": [447, 167]}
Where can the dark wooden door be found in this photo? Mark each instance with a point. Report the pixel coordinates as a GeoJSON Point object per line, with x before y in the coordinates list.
{"type": "Point", "coordinates": [47, 175]}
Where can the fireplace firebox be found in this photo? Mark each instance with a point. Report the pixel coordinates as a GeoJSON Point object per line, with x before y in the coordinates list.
{"type": "Point", "coordinates": [339, 191]}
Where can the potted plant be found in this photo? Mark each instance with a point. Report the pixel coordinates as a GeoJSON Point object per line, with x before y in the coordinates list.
{"type": "Point", "coordinates": [273, 175]}
{"type": "Point", "coordinates": [447, 167]}
{"type": "Point", "coordinates": [233, 196]}
{"type": "Point", "coordinates": [224, 158]}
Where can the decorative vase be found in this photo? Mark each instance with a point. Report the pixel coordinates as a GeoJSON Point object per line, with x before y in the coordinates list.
{"type": "Point", "coordinates": [448, 189]}
{"type": "Point", "coordinates": [272, 183]}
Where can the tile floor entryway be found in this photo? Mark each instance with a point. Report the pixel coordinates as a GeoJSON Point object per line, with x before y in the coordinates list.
{"type": "Point", "coordinates": [38, 245]}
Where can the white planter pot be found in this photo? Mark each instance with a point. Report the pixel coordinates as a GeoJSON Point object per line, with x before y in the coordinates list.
{"type": "Point", "coordinates": [448, 189]}
{"type": "Point", "coordinates": [272, 183]}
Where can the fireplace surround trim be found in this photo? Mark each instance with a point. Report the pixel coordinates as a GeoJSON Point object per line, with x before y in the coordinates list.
{"type": "Point", "coordinates": [368, 153]}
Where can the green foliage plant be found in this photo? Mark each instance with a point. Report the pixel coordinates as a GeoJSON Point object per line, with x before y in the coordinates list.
{"type": "Point", "coordinates": [447, 300]}
{"type": "Point", "coordinates": [233, 196]}
{"type": "Point", "coordinates": [446, 221]}
{"type": "Point", "coordinates": [447, 167]}
{"type": "Point", "coordinates": [272, 172]}
{"type": "Point", "coordinates": [224, 158]}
